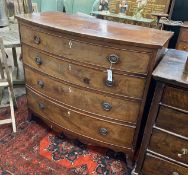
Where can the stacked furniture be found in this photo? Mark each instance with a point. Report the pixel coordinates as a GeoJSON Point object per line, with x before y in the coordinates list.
{"type": "Point", "coordinates": [90, 78]}
{"type": "Point", "coordinates": [182, 43]}
{"type": "Point", "coordinates": [164, 149]}
{"type": "Point", "coordinates": [158, 6]}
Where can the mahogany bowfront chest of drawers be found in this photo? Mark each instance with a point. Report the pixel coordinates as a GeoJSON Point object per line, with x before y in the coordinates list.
{"type": "Point", "coordinates": [164, 149]}
{"type": "Point", "coordinates": [88, 77]}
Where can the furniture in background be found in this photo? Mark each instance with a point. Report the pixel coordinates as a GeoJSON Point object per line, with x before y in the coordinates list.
{"type": "Point", "coordinates": [11, 40]}
{"type": "Point", "coordinates": [179, 13]}
{"type": "Point", "coordinates": [123, 18]}
{"type": "Point", "coordinates": [158, 6]}
{"type": "Point", "coordinates": [134, 14]}
{"type": "Point", "coordinates": [96, 85]}
{"type": "Point", "coordinates": [182, 43]}
{"type": "Point", "coordinates": [164, 148]}
{"type": "Point", "coordinates": [159, 16]}
{"type": "Point", "coordinates": [6, 81]}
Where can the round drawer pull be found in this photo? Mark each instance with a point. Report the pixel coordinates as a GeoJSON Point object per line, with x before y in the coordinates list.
{"type": "Point", "coordinates": [106, 106]}
{"type": "Point", "coordinates": [110, 83]}
{"type": "Point", "coordinates": [40, 83]}
{"type": "Point", "coordinates": [113, 58]}
{"type": "Point", "coordinates": [103, 131]}
{"type": "Point", "coordinates": [38, 60]}
{"type": "Point", "coordinates": [175, 173]}
{"type": "Point", "coordinates": [36, 39]}
{"type": "Point", "coordinates": [41, 106]}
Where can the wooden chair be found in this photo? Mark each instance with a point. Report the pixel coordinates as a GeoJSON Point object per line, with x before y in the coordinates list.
{"type": "Point", "coordinates": [6, 81]}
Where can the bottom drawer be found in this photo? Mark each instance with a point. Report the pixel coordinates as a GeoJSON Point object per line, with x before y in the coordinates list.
{"type": "Point", "coordinates": [157, 166]}
{"type": "Point", "coordinates": [81, 124]}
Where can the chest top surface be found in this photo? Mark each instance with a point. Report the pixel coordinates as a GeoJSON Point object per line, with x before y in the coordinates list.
{"type": "Point", "coordinates": [173, 68]}
{"type": "Point", "coordinates": [92, 28]}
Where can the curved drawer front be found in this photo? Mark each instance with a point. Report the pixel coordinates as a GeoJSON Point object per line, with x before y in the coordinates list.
{"type": "Point", "coordinates": [173, 121]}
{"type": "Point", "coordinates": [83, 99]}
{"type": "Point", "coordinates": [156, 166]}
{"type": "Point", "coordinates": [170, 146]}
{"type": "Point", "coordinates": [87, 77]}
{"type": "Point", "coordinates": [130, 61]}
{"type": "Point", "coordinates": [79, 123]}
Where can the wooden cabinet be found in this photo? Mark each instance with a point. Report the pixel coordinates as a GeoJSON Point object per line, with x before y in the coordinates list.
{"type": "Point", "coordinates": [89, 78]}
{"type": "Point", "coordinates": [182, 43]}
{"type": "Point", "coordinates": [164, 148]}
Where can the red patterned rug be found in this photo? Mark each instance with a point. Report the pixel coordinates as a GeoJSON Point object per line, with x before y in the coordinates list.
{"type": "Point", "coordinates": [36, 150]}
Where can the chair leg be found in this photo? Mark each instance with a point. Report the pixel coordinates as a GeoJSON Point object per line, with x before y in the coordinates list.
{"type": "Point", "coordinates": [12, 111]}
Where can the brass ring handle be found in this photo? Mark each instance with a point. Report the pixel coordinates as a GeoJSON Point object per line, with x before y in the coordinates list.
{"type": "Point", "coordinates": [106, 106]}
{"type": "Point", "coordinates": [184, 152]}
{"type": "Point", "coordinates": [103, 131]}
{"type": "Point", "coordinates": [110, 83]}
{"type": "Point", "coordinates": [113, 58]}
{"type": "Point", "coordinates": [36, 39]}
{"type": "Point", "coordinates": [41, 106]}
{"type": "Point", "coordinates": [38, 60]}
{"type": "Point", "coordinates": [40, 83]}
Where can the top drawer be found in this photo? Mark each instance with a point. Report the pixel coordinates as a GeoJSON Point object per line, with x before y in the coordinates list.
{"type": "Point", "coordinates": [176, 97]}
{"type": "Point", "coordinates": [123, 60]}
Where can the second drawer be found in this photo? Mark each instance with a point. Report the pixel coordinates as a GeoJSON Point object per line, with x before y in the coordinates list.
{"type": "Point", "coordinates": [83, 99]}
{"type": "Point", "coordinates": [123, 85]}
{"type": "Point", "coordinates": [173, 121]}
